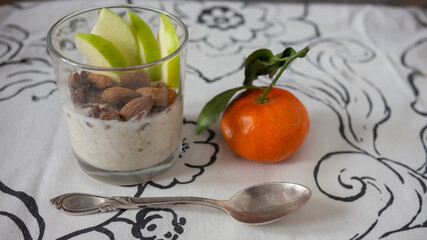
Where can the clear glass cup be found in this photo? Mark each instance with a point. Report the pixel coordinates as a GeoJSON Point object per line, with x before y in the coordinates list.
{"type": "Point", "coordinates": [121, 137]}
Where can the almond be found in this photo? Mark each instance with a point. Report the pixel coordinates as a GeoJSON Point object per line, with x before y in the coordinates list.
{"type": "Point", "coordinates": [78, 95]}
{"type": "Point", "coordinates": [84, 74]}
{"type": "Point", "coordinates": [161, 85]}
{"type": "Point", "coordinates": [161, 96]}
{"type": "Point", "coordinates": [109, 115]}
{"type": "Point", "coordinates": [75, 81]}
{"type": "Point", "coordinates": [135, 80]}
{"type": "Point", "coordinates": [158, 109]}
{"type": "Point", "coordinates": [171, 96]}
{"type": "Point", "coordinates": [118, 96]}
{"type": "Point", "coordinates": [100, 81]}
{"type": "Point", "coordinates": [137, 108]}
{"type": "Point", "coordinates": [93, 96]}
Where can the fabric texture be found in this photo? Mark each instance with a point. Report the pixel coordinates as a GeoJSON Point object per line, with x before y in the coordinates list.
{"type": "Point", "coordinates": [364, 83]}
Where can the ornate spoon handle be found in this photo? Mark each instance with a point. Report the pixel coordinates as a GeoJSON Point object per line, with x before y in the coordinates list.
{"type": "Point", "coordinates": [82, 204]}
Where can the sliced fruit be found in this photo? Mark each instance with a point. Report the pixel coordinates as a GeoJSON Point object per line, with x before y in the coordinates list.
{"type": "Point", "coordinates": [99, 51]}
{"type": "Point", "coordinates": [168, 42]}
{"type": "Point", "coordinates": [148, 50]}
{"type": "Point", "coordinates": [112, 27]}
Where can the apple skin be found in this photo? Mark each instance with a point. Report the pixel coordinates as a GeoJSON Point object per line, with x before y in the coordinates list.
{"type": "Point", "coordinates": [99, 51]}
{"type": "Point", "coordinates": [115, 42]}
{"type": "Point", "coordinates": [148, 49]}
{"type": "Point", "coordinates": [168, 42]}
{"type": "Point", "coordinates": [112, 27]}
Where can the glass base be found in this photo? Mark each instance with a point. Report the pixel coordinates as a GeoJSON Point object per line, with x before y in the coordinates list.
{"type": "Point", "coordinates": [131, 177]}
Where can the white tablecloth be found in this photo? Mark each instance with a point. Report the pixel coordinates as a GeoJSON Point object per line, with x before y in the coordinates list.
{"type": "Point", "coordinates": [364, 83]}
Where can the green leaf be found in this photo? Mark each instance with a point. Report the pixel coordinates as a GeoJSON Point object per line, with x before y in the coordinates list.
{"type": "Point", "coordinates": [213, 109]}
{"type": "Point", "coordinates": [264, 62]}
{"type": "Point", "coordinates": [262, 55]}
{"type": "Point", "coordinates": [287, 52]}
{"type": "Point", "coordinates": [288, 55]}
{"type": "Point", "coordinates": [258, 63]}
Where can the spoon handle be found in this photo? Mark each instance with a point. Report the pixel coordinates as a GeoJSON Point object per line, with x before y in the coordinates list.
{"type": "Point", "coordinates": [82, 204]}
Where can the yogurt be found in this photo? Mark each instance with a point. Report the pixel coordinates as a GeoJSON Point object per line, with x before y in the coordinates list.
{"type": "Point", "coordinates": [125, 146]}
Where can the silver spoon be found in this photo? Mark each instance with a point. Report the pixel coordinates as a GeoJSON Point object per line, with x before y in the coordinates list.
{"type": "Point", "coordinates": [259, 204]}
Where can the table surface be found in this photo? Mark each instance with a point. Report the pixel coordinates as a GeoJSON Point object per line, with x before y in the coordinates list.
{"type": "Point", "coordinates": [364, 83]}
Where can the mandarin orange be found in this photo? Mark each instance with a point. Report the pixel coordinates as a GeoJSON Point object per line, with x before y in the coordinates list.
{"type": "Point", "coordinates": [265, 132]}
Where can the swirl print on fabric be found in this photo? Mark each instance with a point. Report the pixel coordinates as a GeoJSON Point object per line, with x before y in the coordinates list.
{"type": "Point", "coordinates": [361, 109]}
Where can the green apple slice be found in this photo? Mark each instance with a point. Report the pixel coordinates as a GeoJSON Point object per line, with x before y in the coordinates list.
{"type": "Point", "coordinates": [99, 51]}
{"type": "Point", "coordinates": [168, 42]}
{"type": "Point", "coordinates": [148, 50]}
{"type": "Point", "coordinates": [147, 45]}
{"type": "Point", "coordinates": [112, 27]}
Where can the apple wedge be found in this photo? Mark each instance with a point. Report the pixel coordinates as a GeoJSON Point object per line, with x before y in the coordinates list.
{"type": "Point", "coordinates": [99, 51]}
{"type": "Point", "coordinates": [112, 27]}
{"type": "Point", "coordinates": [148, 50]}
{"type": "Point", "coordinates": [168, 42]}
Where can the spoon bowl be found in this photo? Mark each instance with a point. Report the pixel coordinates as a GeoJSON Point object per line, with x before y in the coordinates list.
{"type": "Point", "coordinates": [259, 204]}
{"type": "Point", "coordinates": [265, 203]}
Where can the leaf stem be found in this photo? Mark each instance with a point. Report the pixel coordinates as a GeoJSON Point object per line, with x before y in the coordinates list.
{"type": "Point", "coordinates": [301, 53]}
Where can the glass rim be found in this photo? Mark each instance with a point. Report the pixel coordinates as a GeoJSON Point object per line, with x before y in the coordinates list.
{"type": "Point", "coordinates": [52, 50]}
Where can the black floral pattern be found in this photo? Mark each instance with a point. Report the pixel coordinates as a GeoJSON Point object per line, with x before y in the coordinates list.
{"type": "Point", "coordinates": [30, 209]}
{"type": "Point", "coordinates": [417, 80]}
{"type": "Point", "coordinates": [358, 170]}
{"type": "Point", "coordinates": [33, 64]}
{"type": "Point", "coordinates": [188, 168]}
{"type": "Point", "coordinates": [220, 17]}
{"type": "Point", "coordinates": [148, 219]}
{"type": "Point", "coordinates": [227, 33]}
{"type": "Point", "coordinates": [361, 109]}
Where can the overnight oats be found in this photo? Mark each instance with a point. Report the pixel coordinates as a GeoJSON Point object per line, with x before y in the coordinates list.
{"type": "Point", "coordinates": [122, 129]}
{"type": "Point", "coordinates": [122, 100]}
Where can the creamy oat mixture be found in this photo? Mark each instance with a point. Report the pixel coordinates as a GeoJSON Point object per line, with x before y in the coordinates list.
{"type": "Point", "coordinates": [125, 146]}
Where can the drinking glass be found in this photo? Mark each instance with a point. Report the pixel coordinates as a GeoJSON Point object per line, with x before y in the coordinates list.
{"type": "Point", "coordinates": [119, 133]}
